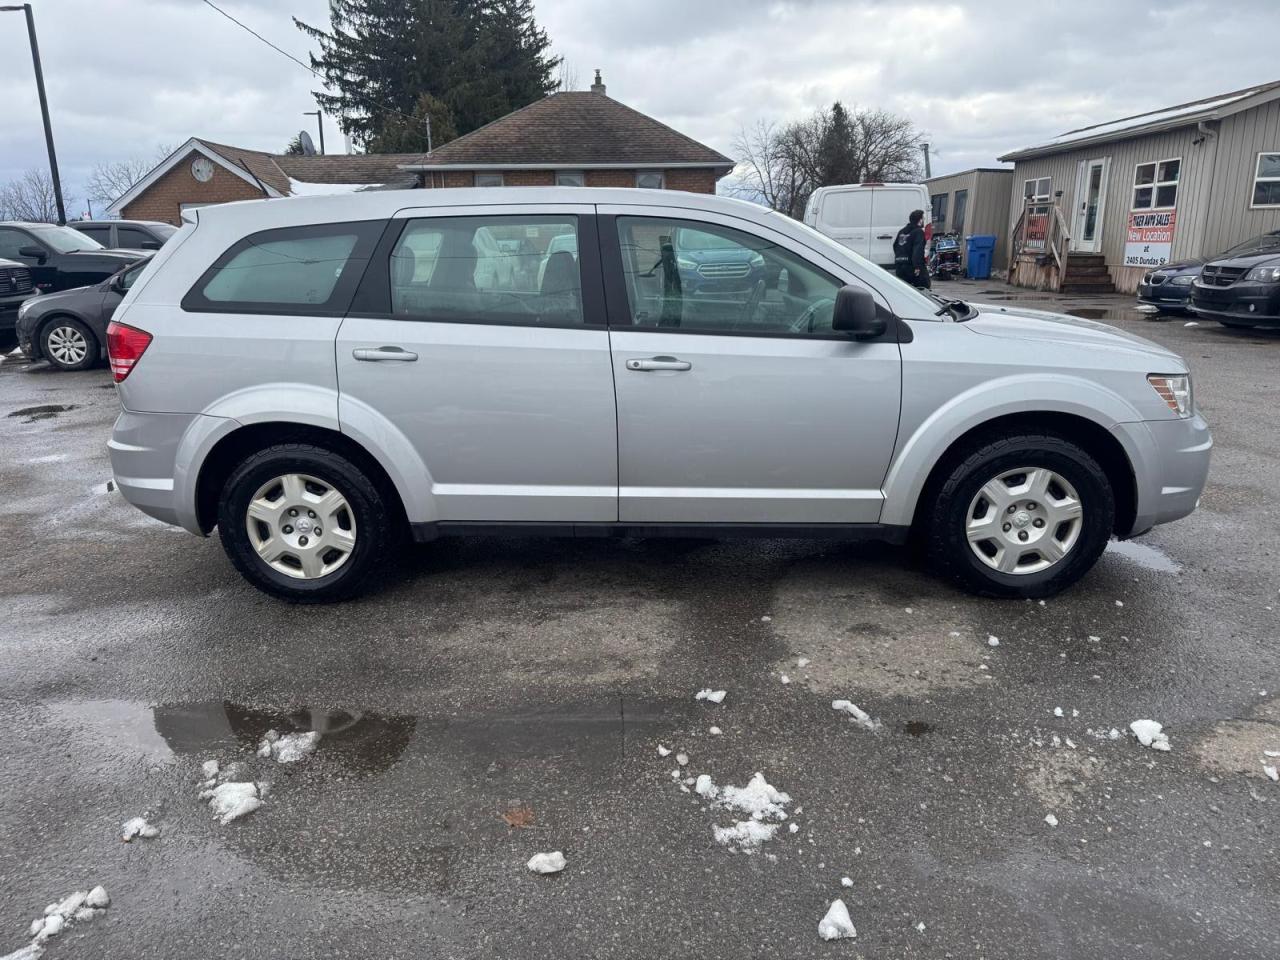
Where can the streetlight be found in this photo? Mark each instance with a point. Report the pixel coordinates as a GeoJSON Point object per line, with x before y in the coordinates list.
{"type": "Point", "coordinates": [319, 123]}
{"type": "Point", "coordinates": [44, 107]}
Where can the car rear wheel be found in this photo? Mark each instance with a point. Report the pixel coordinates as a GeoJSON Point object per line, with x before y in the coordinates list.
{"type": "Point", "coordinates": [68, 344]}
{"type": "Point", "coordinates": [1022, 516]}
{"type": "Point", "coordinates": [303, 523]}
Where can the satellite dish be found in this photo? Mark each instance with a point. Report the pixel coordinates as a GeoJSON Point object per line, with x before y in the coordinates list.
{"type": "Point", "coordinates": [308, 145]}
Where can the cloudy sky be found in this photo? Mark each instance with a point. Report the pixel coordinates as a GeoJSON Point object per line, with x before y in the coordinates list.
{"type": "Point", "coordinates": [126, 77]}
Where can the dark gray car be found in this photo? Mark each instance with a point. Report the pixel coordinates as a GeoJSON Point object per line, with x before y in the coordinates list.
{"type": "Point", "coordinates": [69, 328]}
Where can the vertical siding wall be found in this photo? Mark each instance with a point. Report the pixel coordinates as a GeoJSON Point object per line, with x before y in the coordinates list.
{"type": "Point", "coordinates": [1232, 218]}
{"type": "Point", "coordinates": [1194, 188]}
{"type": "Point", "coordinates": [988, 205]}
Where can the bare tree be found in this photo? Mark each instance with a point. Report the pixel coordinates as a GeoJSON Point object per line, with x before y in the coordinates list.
{"type": "Point", "coordinates": [110, 180]}
{"type": "Point", "coordinates": [31, 198]}
{"type": "Point", "coordinates": [782, 165]}
{"type": "Point", "coordinates": [567, 77]}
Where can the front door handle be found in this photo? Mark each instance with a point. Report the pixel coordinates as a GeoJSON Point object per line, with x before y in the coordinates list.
{"type": "Point", "coordinates": [659, 363]}
{"type": "Point", "coordinates": [884, 236]}
{"type": "Point", "coordinates": [384, 353]}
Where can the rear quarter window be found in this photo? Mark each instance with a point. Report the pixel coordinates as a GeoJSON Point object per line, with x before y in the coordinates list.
{"type": "Point", "coordinates": [294, 270]}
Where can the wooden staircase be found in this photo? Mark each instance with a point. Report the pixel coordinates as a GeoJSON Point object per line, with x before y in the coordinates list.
{"type": "Point", "coordinates": [1086, 274]}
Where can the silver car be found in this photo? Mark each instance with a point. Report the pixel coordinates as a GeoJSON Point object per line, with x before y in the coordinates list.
{"type": "Point", "coordinates": [320, 378]}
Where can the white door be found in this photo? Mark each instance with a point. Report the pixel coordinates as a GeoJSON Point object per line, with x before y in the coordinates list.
{"type": "Point", "coordinates": [1091, 193]}
{"type": "Point", "coordinates": [844, 215]}
{"type": "Point", "coordinates": [890, 206]}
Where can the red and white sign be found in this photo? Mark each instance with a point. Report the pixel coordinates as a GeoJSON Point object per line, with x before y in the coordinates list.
{"type": "Point", "coordinates": [1149, 241]}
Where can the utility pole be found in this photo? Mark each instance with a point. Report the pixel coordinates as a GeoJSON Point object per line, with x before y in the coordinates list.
{"type": "Point", "coordinates": [44, 108]}
{"type": "Point", "coordinates": [928, 172]}
{"type": "Point", "coordinates": [319, 123]}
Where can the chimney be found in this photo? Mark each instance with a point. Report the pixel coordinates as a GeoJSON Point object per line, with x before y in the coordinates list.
{"type": "Point", "coordinates": [598, 86]}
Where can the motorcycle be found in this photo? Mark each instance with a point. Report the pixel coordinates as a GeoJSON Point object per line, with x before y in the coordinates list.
{"type": "Point", "coordinates": [944, 257]}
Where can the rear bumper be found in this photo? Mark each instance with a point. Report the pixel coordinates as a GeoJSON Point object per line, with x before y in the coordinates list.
{"type": "Point", "coordinates": [1257, 303]}
{"type": "Point", "coordinates": [155, 460]}
{"type": "Point", "coordinates": [1171, 465]}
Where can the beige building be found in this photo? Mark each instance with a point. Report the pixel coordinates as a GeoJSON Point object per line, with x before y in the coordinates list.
{"type": "Point", "coordinates": [1102, 205]}
{"type": "Point", "coordinates": [974, 203]}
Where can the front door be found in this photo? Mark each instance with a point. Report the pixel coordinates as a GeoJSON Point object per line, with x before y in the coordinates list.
{"type": "Point", "coordinates": [481, 340]}
{"type": "Point", "coordinates": [737, 402]}
{"type": "Point", "coordinates": [1091, 191]}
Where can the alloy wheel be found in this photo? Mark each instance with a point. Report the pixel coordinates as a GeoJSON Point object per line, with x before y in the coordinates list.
{"type": "Point", "coordinates": [301, 526]}
{"type": "Point", "coordinates": [1024, 521]}
{"type": "Point", "coordinates": [67, 345]}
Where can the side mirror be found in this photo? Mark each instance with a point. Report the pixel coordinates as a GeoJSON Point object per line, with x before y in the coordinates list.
{"type": "Point", "coordinates": [117, 284]}
{"type": "Point", "coordinates": [856, 313]}
{"type": "Point", "coordinates": [149, 245]}
{"type": "Point", "coordinates": [34, 252]}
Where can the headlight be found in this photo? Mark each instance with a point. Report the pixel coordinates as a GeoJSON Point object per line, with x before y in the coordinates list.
{"type": "Point", "coordinates": [25, 306]}
{"type": "Point", "coordinates": [1183, 281]}
{"type": "Point", "coordinates": [1174, 390]}
{"type": "Point", "coordinates": [685, 264]}
{"type": "Point", "coordinates": [1265, 274]}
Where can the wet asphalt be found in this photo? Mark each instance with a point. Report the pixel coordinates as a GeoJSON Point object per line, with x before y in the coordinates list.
{"type": "Point", "coordinates": [536, 679]}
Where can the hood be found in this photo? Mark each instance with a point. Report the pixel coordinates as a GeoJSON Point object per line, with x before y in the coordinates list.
{"type": "Point", "coordinates": [66, 298]}
{"type": "Point", "coordinates": [122, 257]}
{"type": "Point", "coordinates": [1268, 258]}
{"type": "Point", "coordinates": [1177, 265]}
{"type": "Point", "coordinates": [1019, 323]}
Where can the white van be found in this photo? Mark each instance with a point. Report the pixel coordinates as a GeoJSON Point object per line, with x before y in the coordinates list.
{"type": "Point", "coordinates": [865, 217]}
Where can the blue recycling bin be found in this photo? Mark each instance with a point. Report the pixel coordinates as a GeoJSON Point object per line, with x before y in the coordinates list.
{"type": "Point", "coordinates": [977, 256]}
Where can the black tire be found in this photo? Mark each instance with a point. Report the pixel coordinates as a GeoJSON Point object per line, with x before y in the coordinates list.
{"type": "Point", "coordinates": [949, 549]}
{"type": "Point", "coordinates": [52, 329]}
{"type": "Point", "coordinates": [376, 529]}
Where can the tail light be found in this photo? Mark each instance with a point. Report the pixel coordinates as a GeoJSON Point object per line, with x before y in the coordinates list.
{"type": "Point", "coordinates": [928, 232]}
{"type": "Point", "coordinates": [125, 347]}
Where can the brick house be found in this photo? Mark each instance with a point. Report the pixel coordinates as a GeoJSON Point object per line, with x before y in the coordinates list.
{"type": "Point", "coordinates": [574, 138]}
{"type": "Point", "coordinates": [577, 138]}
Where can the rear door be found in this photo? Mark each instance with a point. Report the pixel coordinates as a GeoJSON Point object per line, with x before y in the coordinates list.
{"type": "Point", "coordinates": [844, 215]}
{"type": "Point", "coordinates": [491, 362]}
{"type": "Point", "coordinates": [891, 204]}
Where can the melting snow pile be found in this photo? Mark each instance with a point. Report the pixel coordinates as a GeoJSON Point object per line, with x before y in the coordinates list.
{"type": "Point", "coordinates": [715, 696]}
{"type": "Point", "coordinates": [78, 907]}
{"type": "Point", "coordinates": [758, 799]}
{"type": "Point", "coordinates": [231, 801]}
{"type": "Point", "coordinates": [546, 862]}
{"type": "Point", "coordinates": [837, 924]}
{"type": "Point", "coordinates": [1149, 734]}
{"type": "Point", "coordinates": [860, 716]}
{"type": "Point", "coordinates": [138, 827]}
{"type": "Point", "coordinates": [289, 748]}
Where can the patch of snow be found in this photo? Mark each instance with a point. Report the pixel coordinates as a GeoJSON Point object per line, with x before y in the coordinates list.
{"type": "Point", "coordinates": [715, 696]}
{"type": "Point", "coordinates": [920, 927]}
{"type": "Point", "coordinates": [785, 678]}
{"type": "Point", "coordinates": [846, 881]}
{"type": "Point", "coordinates": [908, 610]}
{"type": "Point", "coordinates": [758, 798]}
{"type": "Point", "coordinates": [76, 907]}
{"type": "Point", "coordinates": [552, 862]}
{"type": "Point", "coordinates": [993, 641]}
{"type": "Point", "coordinates": [210, 769]}
{"type": "Point", "coordinates": [1271, 753]}
{"type": "Point", "coordinates": [1149, 734]}
{"type": "Point", "coordinates": [1119, 603]}
{"type": "Point", "coordinates": [682, 759]}
{"type": "Point", "coordinates": [31, 951]}
{"type": "Point", "coordinates": [138, 827]}
{"type": "Point", "coordinates": [1057, 711]}
{"type": "Point", "coordinates": [860, 716]}
{"type": "Point", "coordinates": [1191, 323]}
{"type": "Point", "coordinates": [765, 619]}
{"type": "Point", "coordinates": [1271, 771]}
{"type": "Point", "coordinates": [663, 751]}
{"type": "Point", "coordinates": [794, 828]}
{"type": "Point", "coordinates": [837, 924]}
{"type": "Point", "coordinates": [803, 662]}
{"type": "Point", "coordinates": [715, 731]}
{"type": "Point", "coordinates": [289, 748]}
{"type": "Point", "coordinates": [703, 787]}
{"type": "Point", "coordinates": [745, 835]}
{"type": "Point", "coordinates": [231, 801]}
{"type": "Point", "coordinates": [1050, 819]}
{"type": "Point", "coordinates": [299, 188]}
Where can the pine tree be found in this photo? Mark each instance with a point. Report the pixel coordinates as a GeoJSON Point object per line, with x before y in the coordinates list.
{"type": "Point", "coordinates": [837, 157]}
{"type": "Point", "coordinates": [479, 59]}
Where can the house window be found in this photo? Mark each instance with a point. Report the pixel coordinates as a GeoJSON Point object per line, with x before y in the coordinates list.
{"type": "Point", "coordinates": [938, 214]}
{"type": "Point", "coordinates": [1155, 185]}
{"type": "Point", "coordinates": [1037, 189]}
{"type": "Point", "coordinates": [570, 178]}
{"type": "Point", "coordinates": [962, 203]}
{"type": "Point", "coordinates": [1266, 181]}
{"type": "Point", "coordinates": [649, 180]}
{"type": "Point", "coordinates": [488, 179]}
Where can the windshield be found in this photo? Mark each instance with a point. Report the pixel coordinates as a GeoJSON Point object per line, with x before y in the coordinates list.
{"type": "Point", "coordinates": [64, 239]}
{"type": "Point", "coordinates": [1263, 244]}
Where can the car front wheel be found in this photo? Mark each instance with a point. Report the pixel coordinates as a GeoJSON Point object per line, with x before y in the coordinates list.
{"type": "Point", "coordinates": [69, 345]}
{"type": "Point", "coordinates": [303, 523]}
{"type": "Point", "coordinates": [1022, 516]}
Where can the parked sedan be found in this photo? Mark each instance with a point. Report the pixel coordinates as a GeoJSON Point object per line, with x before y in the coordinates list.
{"type": "Point", "coordinates": [1241, 288]}
{"type": "Point", "coordinates": [1169, 287]}
{"type": "Point", "coordinates": [60, 258]}
{"type": "Point", "coordinates": [69, 328]}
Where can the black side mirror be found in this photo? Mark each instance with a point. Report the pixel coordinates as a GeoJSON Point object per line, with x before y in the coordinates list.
{"type": "Point", "coordinates": [32, 251]}
{"type": "Point", "coordinates": [856, 313]}
{"type": "Point", "coordinates": [117, 284]}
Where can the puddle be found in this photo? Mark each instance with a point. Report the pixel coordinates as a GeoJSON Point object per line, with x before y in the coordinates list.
{"type": "Point", "coordinates": [1144, 555]}
{"type": "Point", "coordinates": [918, 728]}
{"type": "Point", "coordinates": [44, 412]}
{"type": "Point", "coordinates": [1110, 313]}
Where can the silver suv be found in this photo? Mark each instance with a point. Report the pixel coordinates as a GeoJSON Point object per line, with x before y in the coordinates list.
{"type": "Point", "coordinates": [321, 377]}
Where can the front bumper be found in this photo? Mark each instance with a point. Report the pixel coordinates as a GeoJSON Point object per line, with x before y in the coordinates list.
{"type": "Point", "coordinates": [1171, 465]}
{"type": "Point", "coordinates": [1164, 294]}
{"type": "Point", "coordinates": [1243, 301]}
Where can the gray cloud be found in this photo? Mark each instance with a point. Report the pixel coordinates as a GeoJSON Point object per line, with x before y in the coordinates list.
{"type": "Point", "coordinates": [982, 77]}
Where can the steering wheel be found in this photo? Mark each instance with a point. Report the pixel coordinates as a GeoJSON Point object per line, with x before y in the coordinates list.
{"type": "Point", "coordinates": [804, 322]}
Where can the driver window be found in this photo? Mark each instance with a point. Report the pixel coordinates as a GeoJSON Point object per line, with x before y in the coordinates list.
{"type": "Point", "coordinates": [705, 278]}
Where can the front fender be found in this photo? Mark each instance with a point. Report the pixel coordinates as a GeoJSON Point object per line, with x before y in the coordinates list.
{"type": "Point", "coordinates": [920, 448]}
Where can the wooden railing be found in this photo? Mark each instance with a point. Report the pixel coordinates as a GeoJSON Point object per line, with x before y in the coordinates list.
{"type": "Point", "coordinates": [1040, 244]}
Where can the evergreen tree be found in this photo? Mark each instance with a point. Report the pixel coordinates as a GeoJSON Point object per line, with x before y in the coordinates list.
{"type": "Point", "coordinates": [409, 134]}
{"type": "Point", "coordinates": [837, 160]}
{"type": "Point", "coordinates": [478, 59]}
{"type": "Point", "coordinates": [294, 149]}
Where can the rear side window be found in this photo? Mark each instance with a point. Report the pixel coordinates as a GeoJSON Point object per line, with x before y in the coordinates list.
{"type": "Point", "coordinates": [132, 238]}
{"type": "Point", "coordinates": [294, 270]}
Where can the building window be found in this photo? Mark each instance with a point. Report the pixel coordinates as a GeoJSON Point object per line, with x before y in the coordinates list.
{"type": "Point", "coordinates": [1038, 189]}
{"type": "Point", "coordinates": [1155, 185]}
{"type": "Point", "coordinates": [938, 214]}
{"type": "Point", "coordinates": [649, 180]}
{"type": "Point", "coordinates": [570, 178]}
{"type": "Point", "coordinates": [488, 179]}
{"type": "Point", "coordinates": [962, 203]}
{"type": "Point", "coordinates": [1266, 181]}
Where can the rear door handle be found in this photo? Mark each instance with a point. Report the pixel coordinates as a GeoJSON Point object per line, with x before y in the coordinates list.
{"type": "Point", "coordinates": [659, 363]}
{"type": "Point", "coordinates": [379, 354]}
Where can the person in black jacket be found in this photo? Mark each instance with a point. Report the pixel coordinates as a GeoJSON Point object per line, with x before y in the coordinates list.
{"type": "Point", "coordinates": [908, 252]}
